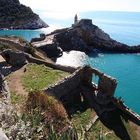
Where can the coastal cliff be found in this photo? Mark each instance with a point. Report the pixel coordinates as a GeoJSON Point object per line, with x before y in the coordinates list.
{"type": "Point", "coordinates": [14, 15]}
{"type": "Point", "coordinates": [85, 36]}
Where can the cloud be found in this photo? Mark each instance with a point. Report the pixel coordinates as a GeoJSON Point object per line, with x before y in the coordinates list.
{"type": "Point", "coordinates": [63, 9]}
{"type": "Point", "coordinates": [57, 15]}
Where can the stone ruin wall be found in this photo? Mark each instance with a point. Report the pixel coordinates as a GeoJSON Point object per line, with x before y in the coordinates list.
{"type": "Point", "coordinates": [70, 88]}
{"type": "Point", "coordinates": [8, 42]}
{"type": "Point", "coordinates": [65, 87]}
{"type": "Point", "coordinates": [83, 75]}
{"type": "Point", "coordinates": [19, 58]}
{"type": "Point", "coordinates": [68, 91]}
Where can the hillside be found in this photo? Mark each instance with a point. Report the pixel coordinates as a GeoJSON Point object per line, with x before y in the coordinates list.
{"type": "Point", "coordinates": [43, 100]}
{"type": "Point", "coordinates": [14, 15]}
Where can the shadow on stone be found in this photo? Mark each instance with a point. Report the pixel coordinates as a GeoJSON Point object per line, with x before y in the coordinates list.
{"type": "Point", "coordinates": [113, 121]}
{"type": "Point", "coordinates": [74, 104]}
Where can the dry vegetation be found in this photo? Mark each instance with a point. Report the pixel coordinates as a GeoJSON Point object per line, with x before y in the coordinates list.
{"type": "Point", "coordinates": [51, 110]}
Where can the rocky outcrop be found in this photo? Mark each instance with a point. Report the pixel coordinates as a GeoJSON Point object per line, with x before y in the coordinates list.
{"type": "Point", "coordinates": [85, 36]}
{"type": "Point", "coordinates": [4, 90]}
{"type": "Point", "coordinates": [48, 45]}
{"type": "Point", "coordinates": [14, 58]}
{"type": "Point", "coordinates": [4, 94]}
{"type": "Point", "coordinates": [2, 135]}
{"type": "Point", "coordinates": [14, 15]}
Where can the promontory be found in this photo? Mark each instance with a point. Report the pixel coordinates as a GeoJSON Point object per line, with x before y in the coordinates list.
{"type": "Point", "coordinates": [82, 36]}
{"type": "Point", "coordinates": [14, 15]}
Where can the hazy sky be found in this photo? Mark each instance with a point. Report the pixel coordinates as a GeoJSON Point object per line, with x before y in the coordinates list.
{"type": "Point", "coordinates": [67, 8]}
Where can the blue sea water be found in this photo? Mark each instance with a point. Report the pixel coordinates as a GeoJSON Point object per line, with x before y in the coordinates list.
{"type": "Point", "coordinates": [122, 26]}
{"type": "Point", "coordinates": [125, 68]}
{"type": "Point", "coordinates": [26, 34]}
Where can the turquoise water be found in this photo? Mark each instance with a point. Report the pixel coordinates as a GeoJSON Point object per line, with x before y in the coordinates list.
{"type": "Point", "coordinates": [26, 34]}
{"type": "Point", "coordinates": [124, 27]}
{"type": "Point", "coordinates": [125, 68]}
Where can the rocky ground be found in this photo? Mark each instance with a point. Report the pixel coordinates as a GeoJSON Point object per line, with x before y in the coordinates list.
{"type": "Point", "coordinates": [14, 15]}
{"type": "Point", "coordinates": [16, 121]}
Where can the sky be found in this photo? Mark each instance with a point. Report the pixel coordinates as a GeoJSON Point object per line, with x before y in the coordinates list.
{"type": "Point", "coordinates": [62, 9]}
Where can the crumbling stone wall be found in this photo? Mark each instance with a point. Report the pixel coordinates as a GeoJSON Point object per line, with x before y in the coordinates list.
{"type": "Point", "coordinates": [32, 59]}
{"type": "Point", "coordinates": [71, 88]}
{"type": "Point", "coordinates": [83, 76]}
{"type": "Point", "coordinates": [107, 85]}
{"type": "Point", "coordinates": [18, 58]}
{"type": "Point", "coordinates": [16, 45]}
{"type": "Point", "coordinates": [68, 85]}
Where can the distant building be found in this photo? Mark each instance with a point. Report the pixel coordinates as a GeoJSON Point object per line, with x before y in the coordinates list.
{"type": "Point", "coordinates": [80, 22]}
{"type": "Point", "coordinates": [76, 19]}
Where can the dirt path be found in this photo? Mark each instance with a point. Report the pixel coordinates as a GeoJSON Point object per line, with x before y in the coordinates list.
{"type": "Point", "coordinates": [15, 83]}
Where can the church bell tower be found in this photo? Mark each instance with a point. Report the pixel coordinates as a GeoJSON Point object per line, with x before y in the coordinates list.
{"type": "Point", "coordinates": [75, 19]}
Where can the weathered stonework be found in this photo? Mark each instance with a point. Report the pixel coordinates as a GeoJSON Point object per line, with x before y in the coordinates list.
{"type": "Point", "coordinates": [107, 85]}
{"type": "Point", "coordinates": [99, 97]}
{"type": "Point", "coordinates": [32, 59]}
{"type": "Point", "coordinates": [65, 87]}
{"type": "Point", "coordinates": [82, 77]}
{"type": "Point", "coordinates": [17, 45]}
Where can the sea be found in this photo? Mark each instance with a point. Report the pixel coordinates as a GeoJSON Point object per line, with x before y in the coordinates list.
{"type": "Point", "coordinates": [121, 26]}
